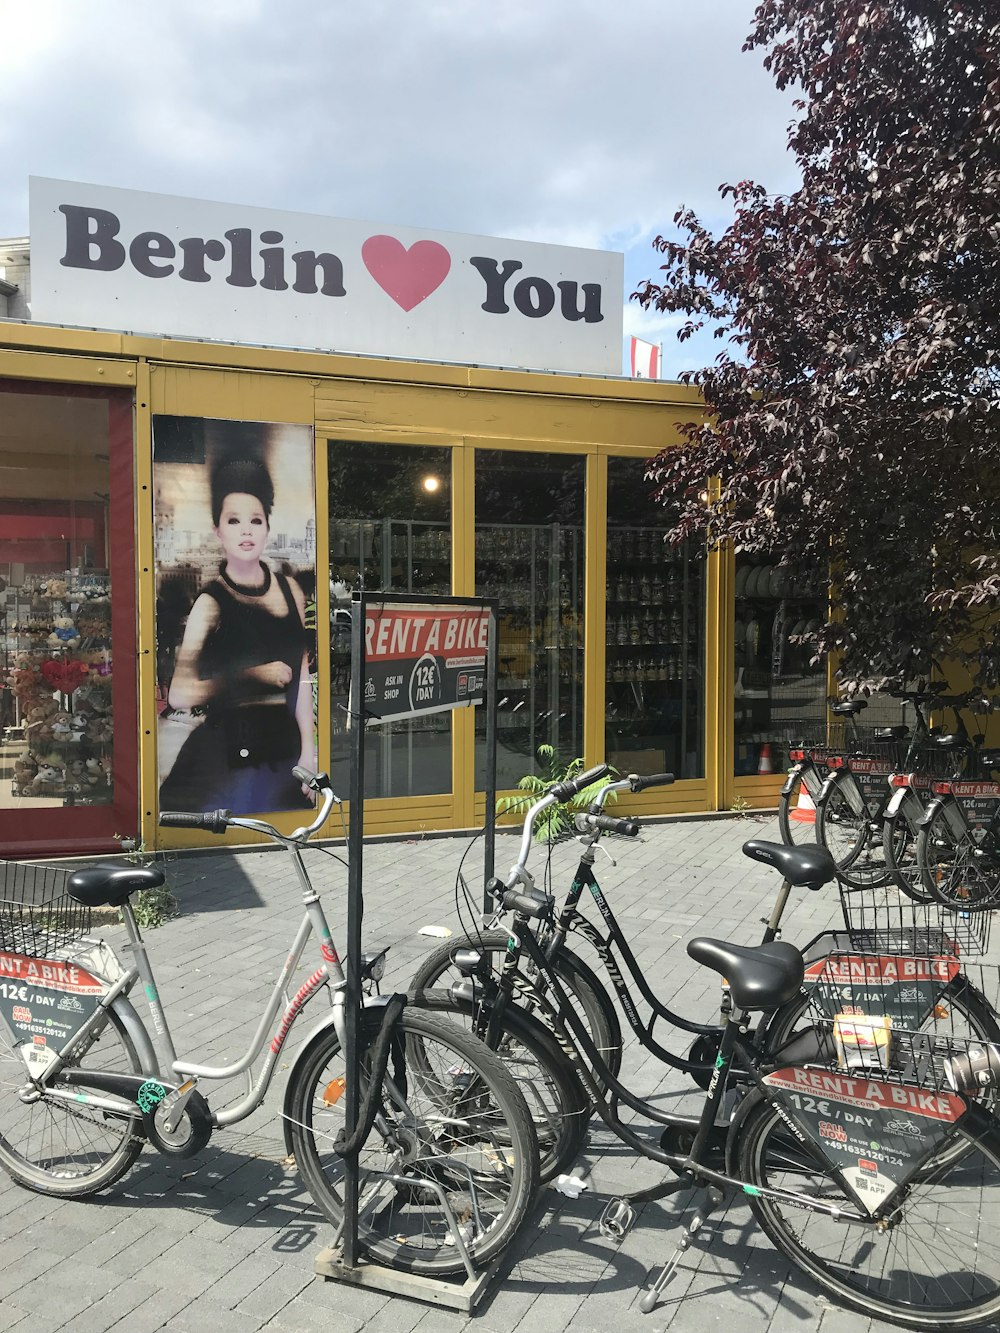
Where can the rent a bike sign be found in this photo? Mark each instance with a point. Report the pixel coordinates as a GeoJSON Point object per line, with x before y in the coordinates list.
{"type": "Point", "coordinates": [421, 658]}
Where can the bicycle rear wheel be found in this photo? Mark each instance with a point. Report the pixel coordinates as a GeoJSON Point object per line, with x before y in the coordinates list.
{"type": "Point", "coordinates": [961, 870]}
{"type": "Point", "coordinates": [451, 1119]}
{"type": "Point", "coordinates": [851, 841]}
{"type": "Point", "coordinates": [58, 1147]}
{"type": "Point", "coordinates": [899, 844]}
{"type": "Point", "coordinates": [935, 1266]}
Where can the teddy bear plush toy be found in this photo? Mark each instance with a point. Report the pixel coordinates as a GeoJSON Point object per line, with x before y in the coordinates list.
{"type": "Point", "coordinates": [47, 781]}
{"type": "Point", "coordinates": [64, 633]}
{"type": "Point", "coordinates": [62, 729]}
{"type": "Point", "coordinates": [55, 589]}
{"type": "Point", "coordinates": [24, 774]}
{"type": "Point", "coordinates": [93, 773]}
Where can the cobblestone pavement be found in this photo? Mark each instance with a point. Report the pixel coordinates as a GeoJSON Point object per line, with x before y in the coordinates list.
{"type": "Point", "coordinates": [226, 1241]}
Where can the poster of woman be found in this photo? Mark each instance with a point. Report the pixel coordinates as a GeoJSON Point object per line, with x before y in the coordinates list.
{"type": "Point", "coordinates": [235, 578]}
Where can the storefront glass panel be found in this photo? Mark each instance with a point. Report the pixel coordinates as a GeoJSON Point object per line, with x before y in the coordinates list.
{"type": "Point", "coordinates": [654, 635]}
{"type": "Point", "coordinates": [390, 528]}
{"type": "Point", "coordinates": [530, 556]}
{"type": "Point", "coordinates": [67, 659]}
{"type": "Point", "coordinates": [779, 693]}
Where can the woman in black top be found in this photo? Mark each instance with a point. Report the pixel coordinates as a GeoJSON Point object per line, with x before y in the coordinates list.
{"type": "Point", "coordinates": [243, 662]}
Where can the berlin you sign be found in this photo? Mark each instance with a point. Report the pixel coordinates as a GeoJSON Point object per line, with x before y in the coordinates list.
{"type": "Point", "coordinates": [159, 264]}
{"type": "Point", "coordinates": [422, 658]}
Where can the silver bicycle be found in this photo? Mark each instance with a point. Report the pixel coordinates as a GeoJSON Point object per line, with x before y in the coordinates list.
{"type": "Point", "coordinates": [446, 1149]}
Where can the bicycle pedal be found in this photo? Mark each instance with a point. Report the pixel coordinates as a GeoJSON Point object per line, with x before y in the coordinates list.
{"type": "Point", "coordinates": [617, 1219]}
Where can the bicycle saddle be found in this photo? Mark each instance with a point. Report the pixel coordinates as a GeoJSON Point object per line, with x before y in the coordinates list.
{"type": "Point", "coordinates": [990, 758]}
{"type": "Point", "coordinates": [891, 733]}
{"type": "Point", "coordinates": [763, 976]}
{"type": "Point", "coordinates": [849, 706]}
{"type": "Point", "coordinates": [805, 867]}
{"type": "Point", "coordinates": [950, 742]}
{"type": "Point", "coordinates": [111, 885]}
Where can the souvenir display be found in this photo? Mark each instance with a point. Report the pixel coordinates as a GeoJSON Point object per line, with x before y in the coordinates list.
{"type": "Point", "coordinates": [55, 639]}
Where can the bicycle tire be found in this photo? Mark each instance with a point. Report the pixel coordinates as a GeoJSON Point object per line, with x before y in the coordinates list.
{"type": "Point", "coordinates": [556, 1099]}
{"type": "Point", "coordinates": [852, 851]}
{"type": "Point", "coordinates": [79, 1160]}
{"type": "Point", "coordinates": [475, 1138]}
{"type": "Point", "coordinates": [874, 1273]}
{"type": "Point", "coordinates": [437, 971]}
{"type": "Point", "coordinates": [954, 868]}
{"type": "Point", "coordinates": [899, 849]}
{"type": "Point", "coordinates": [793, 833]}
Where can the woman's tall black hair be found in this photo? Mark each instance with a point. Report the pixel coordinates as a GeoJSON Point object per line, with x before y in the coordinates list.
{"type": "Point", "coordinates": [242, 476]}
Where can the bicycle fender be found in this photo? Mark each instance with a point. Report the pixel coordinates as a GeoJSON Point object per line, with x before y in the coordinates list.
{"type": "Point", "coordinates": [895, 802]}
{"type": "Point", "coordinates": [317, 1033]}
{"type": "Point", "coordinates": [829, 782]}
{"type": "Point", "coordinates": [793, 774]}
{"type": "Point", "coordinates": [743, 1109]}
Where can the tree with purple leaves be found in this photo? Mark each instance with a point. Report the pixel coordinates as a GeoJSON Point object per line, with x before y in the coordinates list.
{"type": "Point", "coordinates": [854, 419]}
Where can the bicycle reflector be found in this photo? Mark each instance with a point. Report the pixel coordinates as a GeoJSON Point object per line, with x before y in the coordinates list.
{"type": "Point", "coordinates": [796, 756]}
{"type": "Point", "coordinates": [941, 788]}
{"type": "Point", "coordinates": [901, 780]}
{"type": "Point", "coordinates": [333, 1091]}
{"type": "Point", "coordinates": [836, 761]}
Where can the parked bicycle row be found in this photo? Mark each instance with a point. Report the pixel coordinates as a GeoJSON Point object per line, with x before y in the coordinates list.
{"type": "Point", "coordinates": [908, 805]}
{"type": "Point", "coordinates": [850, 1083]}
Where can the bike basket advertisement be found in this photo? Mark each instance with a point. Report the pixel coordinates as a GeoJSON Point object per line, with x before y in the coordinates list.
{"type": "Point", "coordinates": [44, 1003]}
{"type": "Point", "coordinates": [904, 989]}
{"type": "Point", "coordinates": [980, 801]}
{"type": "Point", "coordinates": [877, 1135]}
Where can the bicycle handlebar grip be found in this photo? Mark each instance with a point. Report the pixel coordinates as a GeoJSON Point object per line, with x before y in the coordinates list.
{"type": "Point", "coordinates": [564, 791]}
{"type": "Point", "coordinates": [213, 821]}
{"type": "Point", "coordinates": [317, 781]}
{"type": "Point", "coordinates": [528, 904]}
{"type": "Point", "coordinates": [628, 828]}
{"type": "Point", "coordinates": [653, 780]}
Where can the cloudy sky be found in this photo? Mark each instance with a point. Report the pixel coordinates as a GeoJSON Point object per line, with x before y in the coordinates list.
{"type": "Point", "coordinates": [565, 121]}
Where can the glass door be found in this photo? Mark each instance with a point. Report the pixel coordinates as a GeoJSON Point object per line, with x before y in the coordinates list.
{"type": "Point", "coordinates": [530, 556]}
{"type": "Point", "coordinates": [68, 728]}
{"type": "Point", "coordinates": [390, 528]}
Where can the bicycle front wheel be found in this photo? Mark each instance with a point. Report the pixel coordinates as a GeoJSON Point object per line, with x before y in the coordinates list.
{"type": "Point", "coordinates": [555, 1097]}
{"type": "Point", "coordinates": [593, 1003]}
{"type": "Point", "coordinates": [797, 815]}
{"type": "Point", "coordinates": [59, 1147]}
{"type": "Point", "coordinates": [453, 1141]}
{"type": "Point", "coordinates": [935, 1265]}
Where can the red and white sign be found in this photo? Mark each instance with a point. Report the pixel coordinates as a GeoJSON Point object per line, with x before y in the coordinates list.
{"type": "Point", "coordinates": [645, 360]}
{"type": "Point", "coordinates": [158, 264]}
{"type": "Point", "coordinates": [423, 659]}
{"type": "Point", "coordinates": [867, 1094]}
{"type": "Point", "coordinates": [843, 969]}
{"type": "Point", "coordinates": [49, 974]}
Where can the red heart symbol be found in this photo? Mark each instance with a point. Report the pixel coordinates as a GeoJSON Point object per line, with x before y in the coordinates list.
{"type": "Point", "coordinates": [408, 276]}
{"type": "Point", "coordinates": [64, 674]}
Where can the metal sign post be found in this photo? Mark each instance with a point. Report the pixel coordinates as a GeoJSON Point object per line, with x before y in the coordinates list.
{"type": "Point", "coordinates": [409, 656]}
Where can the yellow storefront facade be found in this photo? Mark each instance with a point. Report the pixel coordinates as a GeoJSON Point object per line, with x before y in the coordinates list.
{"type": "Point", "coordinates": [526, 486]}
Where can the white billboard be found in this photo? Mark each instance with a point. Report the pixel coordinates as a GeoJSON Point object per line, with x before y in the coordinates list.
{"type": "Point", "coordinates": [160, 264]}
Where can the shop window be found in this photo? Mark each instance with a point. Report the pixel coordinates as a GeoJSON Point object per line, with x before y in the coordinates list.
{"type": "Point", "coordinates": [390, 528]}
{"type": "Point", "coordinates": [530, 556]}
{"type": "Point", "coordinates": [654, 635]}
{"type": "Point", "coordinates": [67, 706]}
{"type": "Point", "coordinates": [779, 692]}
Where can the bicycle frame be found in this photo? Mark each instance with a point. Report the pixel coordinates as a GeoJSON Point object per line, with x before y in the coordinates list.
{"type": "Point", "coordinates": [735, 1051]}
{"type": "Point", "coordinates": [329, 973]}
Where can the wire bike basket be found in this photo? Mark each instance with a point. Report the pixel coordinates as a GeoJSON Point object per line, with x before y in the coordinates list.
{"type": "Point", "coordinates": [883, 919]}
{"type": "Point", "coordinates": [38, 918]}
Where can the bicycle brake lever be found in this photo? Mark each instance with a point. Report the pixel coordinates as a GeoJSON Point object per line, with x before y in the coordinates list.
{"type": "Point", "coordinates": [602, 848]}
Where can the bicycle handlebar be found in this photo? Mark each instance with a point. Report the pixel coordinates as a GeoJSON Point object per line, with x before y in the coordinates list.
{"type": "Point", "coordinates": [627, 828]}
{"type": "Point", "coordinates": [217, 821]}
{"type": "Point", "coordinates": [564, 791]}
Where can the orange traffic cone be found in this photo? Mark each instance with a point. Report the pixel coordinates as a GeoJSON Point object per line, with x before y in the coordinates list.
{"type": "Point", "coordinates": [765, 765]}
{"type": "Point", "coordinates": [805, 810]}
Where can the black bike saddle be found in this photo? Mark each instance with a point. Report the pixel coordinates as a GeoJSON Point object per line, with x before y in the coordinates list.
{"type": "Point", "coordinates": [807, 867]}
{"type": "Point", "coordinates": [761, 977]}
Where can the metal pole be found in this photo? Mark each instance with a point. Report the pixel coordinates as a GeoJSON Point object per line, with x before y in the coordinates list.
{"type": "Point", "coordinates": [355, 909]}
{"type": "Point", "coordinates": [492, 659]}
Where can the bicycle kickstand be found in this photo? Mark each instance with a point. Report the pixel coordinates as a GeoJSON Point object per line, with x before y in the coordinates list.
{"type": "Point", "coordinates": [713, 1198]}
